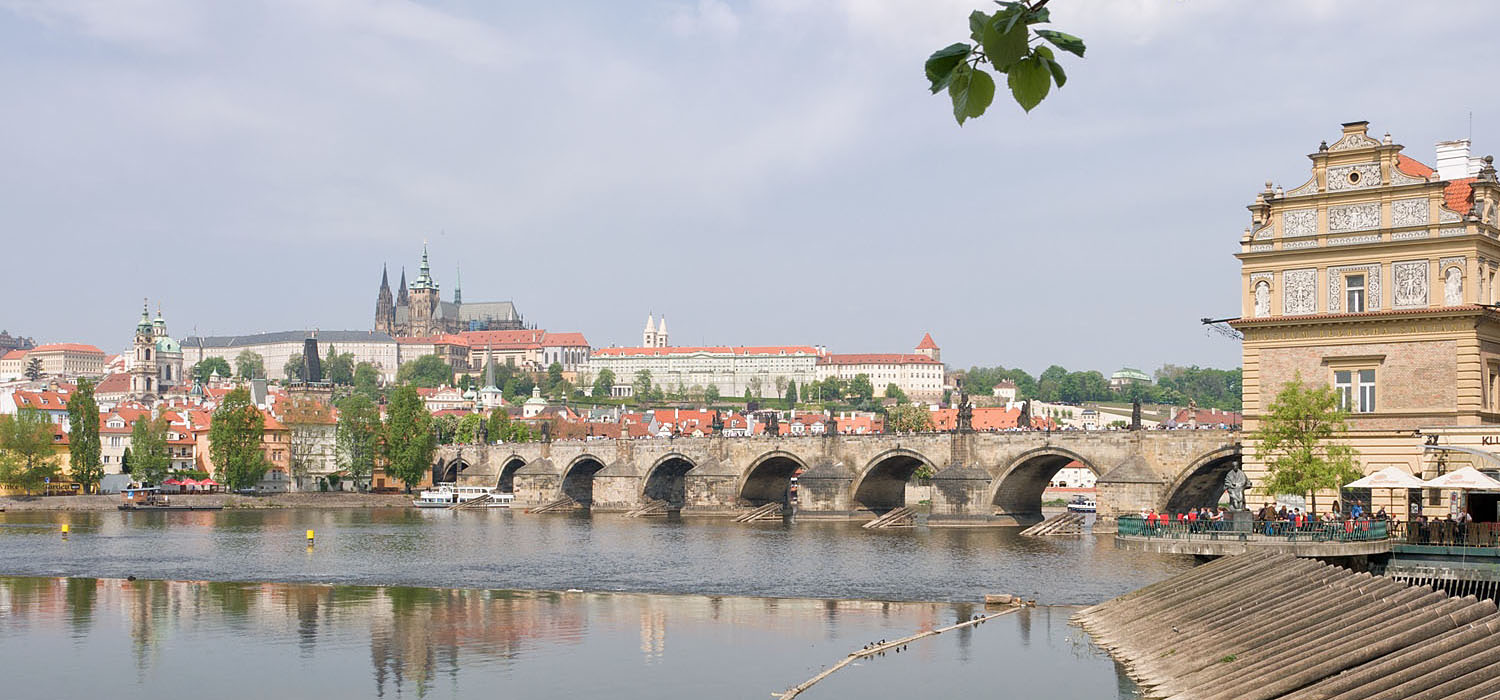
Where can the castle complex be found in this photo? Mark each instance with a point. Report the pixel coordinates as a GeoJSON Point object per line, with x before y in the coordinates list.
{"type": "Point", "coordinates": [417, 309]}
{"type": "Point", "coordinates": [1378, 277]}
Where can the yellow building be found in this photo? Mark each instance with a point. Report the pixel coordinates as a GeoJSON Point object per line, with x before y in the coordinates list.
{"type": "Point", "coordinates": [1377, 276]}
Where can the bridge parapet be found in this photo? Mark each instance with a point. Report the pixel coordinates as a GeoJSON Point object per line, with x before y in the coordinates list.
{"type": "Point", "coordinates": [975, 476]}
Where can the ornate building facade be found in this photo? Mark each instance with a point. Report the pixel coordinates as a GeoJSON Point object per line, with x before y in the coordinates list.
{"type": "Point", "coordinates": [155, 359]}
{"type": "Point", "coordinates": [1377, 277]}
{"type": "Point", "coordinates": [417, 309]}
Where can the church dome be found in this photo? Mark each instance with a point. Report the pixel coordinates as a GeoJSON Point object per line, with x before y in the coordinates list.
{"type": "Point", "coordinates": [166, 344]}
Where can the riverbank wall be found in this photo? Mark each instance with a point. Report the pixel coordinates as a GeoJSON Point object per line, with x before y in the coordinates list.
{"type": "Point", "coordinates": [226, 500]}
{"type": "Point", "coordinates": [1266, 626]}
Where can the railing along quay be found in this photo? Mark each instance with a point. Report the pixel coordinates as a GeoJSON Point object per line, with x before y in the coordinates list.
{"type": "Point", "coordinates": [1336, 531]}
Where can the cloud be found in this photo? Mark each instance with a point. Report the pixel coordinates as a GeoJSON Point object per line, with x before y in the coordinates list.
{"type": "Point", "coordinates": [709, 18]}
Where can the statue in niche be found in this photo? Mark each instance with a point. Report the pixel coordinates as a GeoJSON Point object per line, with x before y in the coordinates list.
{"type": "Point", "coordinates": [1236, 483]}
{"type": "Point", "coordinates": [1453, 286]}
{"type": "Point", "coordinates": [1262, 299]}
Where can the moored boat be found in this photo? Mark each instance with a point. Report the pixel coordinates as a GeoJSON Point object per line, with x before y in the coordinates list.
{"type": "Point", "coordinates": [450, 495]}
{"type": "Point", "coordinates": [1082, 505]}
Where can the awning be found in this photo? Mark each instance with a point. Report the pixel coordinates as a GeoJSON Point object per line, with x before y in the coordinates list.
{"type": "Point", "coordinates": [1392, 477]}
{"type": "Point", "coordinates": [1467, 478]}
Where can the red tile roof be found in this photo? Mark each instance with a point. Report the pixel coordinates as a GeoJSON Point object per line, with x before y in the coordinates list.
{"type": "Point", "coordinates": [504, 338]}
{"type": "Point", "coordinates": [1459, 195]}
{"type": "Point", "coordinates": [987, 419]}
{"type": "Point", "coordinates": [927, 343]}
{"type": "Point", "coordinates": [444, 339]}
{"type": "Point", "coordinates": [14, 355]}
{"type": "Point", "coordinates": [564, 340]}
{"type": "Point", "coordinates": [43, 400]}
{"type": "Point", "coordinates": [61, 347]}
{"type": "Point", "coordinates": [1412, 167]}
{"type": "Point", "coordinates": [709, 349]}
{"type": "Point", "coordinates": [113, 383]}
{"type": "Point", "coordinates": [877, 359]}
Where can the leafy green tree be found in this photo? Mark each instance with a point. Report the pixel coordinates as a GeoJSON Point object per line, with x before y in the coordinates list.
{"type": "Point", "coordinates": [603, 384]}
{"type": "Point", "coordinates": [643, 384]}
{"type": "Point", "coordinates": [357, 438]}
{"type": "Point", "coordinates": [148, 444]}
{"type": "Point", "coordinates": [27, 458]}
{"type": "Point", "coordinates": [791, 394]}
{"type": "Point", "coordinates": [499, 422]}
{"type": "Point", "coordinates": [34, 368]}
{"type": "Point", "coordinates": [249, 365]}
{"type": "Point", "coordinates": [367, 381]}
{"type": "Point", "coordinates": [780, 383]}
{"type": "Point", "coordinates": [554, 375]}
{"type": "Point", "coordinates": [894, 392]}
{"type": "Point", "coordinates": [338, 368]}
{"type": "Point", "coordinates": [860, 388]}
{"type": "Point", "coordinates": [205, 369]}
{"type": "Point", "coordinates": [447, 428]}
{"type": "Point", "coordinates": [516, 431]}
{"type": "Point", "coordinates": [426, 371]}
{"type": "Point", "coordinates": [235, 436]}
{"type": "Point", "coordinates": [1003, 41]}
{"type": "Point", "coordinates": [127, 465]}
{"type": "Point", "coordinates": [908, 418]}
{"type": "Point", "coordinates": [83, 437]}
{"type": "Point", "coordinates": [409, 442]}
{"type": "Point", "coordinates": [295, 366]}
{"type": "Point", "coordinates": [748, 396]}
{"type": "Point", "coordinates": [467, 432]}
{"type": "Point", "coordinates": [711, 393]}
{"type": "Point", "coordinates": [1300, 442]}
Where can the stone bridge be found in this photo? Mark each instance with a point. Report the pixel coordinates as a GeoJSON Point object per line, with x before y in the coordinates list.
{"type": "Point", "coordinates": [977, 478]}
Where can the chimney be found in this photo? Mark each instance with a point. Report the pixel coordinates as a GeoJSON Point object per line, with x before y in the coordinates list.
{"type": "Point", "coordinates": [1453, 161]}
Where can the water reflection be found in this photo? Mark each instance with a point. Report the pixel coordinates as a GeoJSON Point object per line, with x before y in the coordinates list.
{"type": "Point", "coordinates": [170, 639]}
{"type": "Point", "coordinates": [605, 552]}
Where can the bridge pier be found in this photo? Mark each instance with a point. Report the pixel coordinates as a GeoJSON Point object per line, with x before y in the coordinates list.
{"type": "Point", "coordinates": [824, 488]}
{"type": "Point", "coordinates": [960, 496]}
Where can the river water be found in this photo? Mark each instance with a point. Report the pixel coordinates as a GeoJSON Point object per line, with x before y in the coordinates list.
{"type": "Point", "coordinates": [405, 603]}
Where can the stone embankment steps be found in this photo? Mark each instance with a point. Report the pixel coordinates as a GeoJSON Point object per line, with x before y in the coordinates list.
{"type": "Point", "coordinates": [769, 511]}
{"type": "Point", "coordinates": [653, 508]}
{"type": "Point", "coordinates": [1068, 523]}
{"type": "Point", "coordinates": [555, 506]}
{"type": "Point", "coordinates": [1266, 626]}
{"type": "Point", "coordinates": [895, 517]}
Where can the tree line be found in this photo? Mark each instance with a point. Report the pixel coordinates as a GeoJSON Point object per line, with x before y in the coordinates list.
{"type": "Point", "coordinates": [1173, 384]}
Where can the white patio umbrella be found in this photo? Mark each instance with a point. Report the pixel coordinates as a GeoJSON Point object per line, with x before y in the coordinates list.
{"type": "Point", "coordinates": [1392, 477]}
{"type": "Point", "coordinates": [1466, 479]}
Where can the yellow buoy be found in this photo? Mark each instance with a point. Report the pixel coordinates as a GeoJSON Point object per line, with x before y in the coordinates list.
{"type": "Point", "coordinates": [65, 528]}
{"type": "Point", "coordinates": [309, 535]}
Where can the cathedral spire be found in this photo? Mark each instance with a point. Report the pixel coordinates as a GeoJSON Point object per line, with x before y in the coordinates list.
{"type": "Point", "coordinates": [401, 296]}
{"type": "Point", "coordinates": [458, 281]}
{"type": "Point", "coordinates": [385, 280]}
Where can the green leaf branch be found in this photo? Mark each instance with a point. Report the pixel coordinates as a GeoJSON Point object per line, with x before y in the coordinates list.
{"type": "Point", "coordinates": [1005, 42]}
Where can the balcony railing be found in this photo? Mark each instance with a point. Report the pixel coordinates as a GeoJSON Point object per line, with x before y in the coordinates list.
{"type": "Point", "coordinates": [1336, 531]}
{"type": "Point", "coordinates": [1449, 534]}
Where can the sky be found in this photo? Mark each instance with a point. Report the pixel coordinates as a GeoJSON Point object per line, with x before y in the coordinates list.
{"type": "Point", "coordinates": [765, 172]}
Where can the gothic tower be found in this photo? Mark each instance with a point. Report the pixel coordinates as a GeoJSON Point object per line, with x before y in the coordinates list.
{"type": "Point", "coordinates": [401, 297]}
{"type": "Point", "coordinates": [385, 307]}
{"type": "Point", "coordinates": [661, 333]}
{"type": "Point", "coordinates": [648, 336]}
{"type": "Point", "coordinates": [143, 366]}
{"type": "Point", "coordinates": [458, 283]}
{"type": "Point", "coordinates": [424, 301]}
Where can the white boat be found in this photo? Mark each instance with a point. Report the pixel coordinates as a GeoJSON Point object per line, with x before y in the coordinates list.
{"type": "Point", "coordinates": [449, 495]}
{"type": "Point", "coordinates": [1082, 505]}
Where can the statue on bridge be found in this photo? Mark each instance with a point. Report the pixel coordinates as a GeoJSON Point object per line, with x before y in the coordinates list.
{"type": "Point", "coordinates": [773, 425]}
{"type": "Point", "coordinates": [1135, 414]}
{"type": "Point", "coordinates": [718, 423]}
{"type": "Point", "coordinates": [1236, 483]}
{"type": "Point", "coordinates": [965, 414]}
{"type": "Point", "coordinates": [1023, 421]}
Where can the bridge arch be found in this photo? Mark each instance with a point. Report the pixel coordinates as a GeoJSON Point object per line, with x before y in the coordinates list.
{"type": "Point", "coordinates": [769, 478]}
{"type": "Point", "coordinates": [578, 478]}
{"type": "Point", "coordinates": [506, 482]}
{"type": "Point", "coordinates": [448, 471]}
{"type": "Point", "coordinates": [881, 485]}
{"type": "Point", "coordinates": [1202, 483]}
{"type": "Point", "coordinates": [666, 480]}
{"type": "Point", "coordinates": [1017, 491]}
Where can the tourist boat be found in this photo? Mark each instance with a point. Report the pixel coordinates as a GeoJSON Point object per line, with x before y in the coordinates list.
{"type": "Point", "coordinates": [1082, 505]}
{"type": "Point", "coordinates": [449, 495]}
